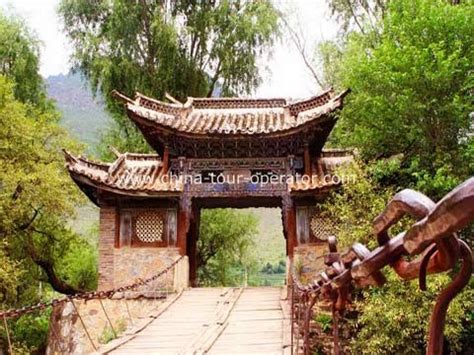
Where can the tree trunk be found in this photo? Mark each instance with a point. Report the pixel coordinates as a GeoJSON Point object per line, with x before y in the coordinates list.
{"type": "Point", "coordinates": [48, 267]}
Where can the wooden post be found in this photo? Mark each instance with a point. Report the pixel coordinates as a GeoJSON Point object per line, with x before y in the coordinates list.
{"type": "Point", "coordinates": [292, 237]}
{"type": "Point", "coordinates": [166, 159]}
{"type": "Point", "coordinates": [193, 236]}
{"type": "Point", "coordinates": [184, 218]}
{"type": "Point", "coordinates": [307, 160]}
{"type": "Point", "coordinates": [289, 218]}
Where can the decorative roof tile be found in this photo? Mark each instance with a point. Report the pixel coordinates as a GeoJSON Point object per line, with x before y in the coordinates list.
{"type": "Point", "coordinates": [224, 116]}
{"type": "Point", "coordinates": [130, 172]}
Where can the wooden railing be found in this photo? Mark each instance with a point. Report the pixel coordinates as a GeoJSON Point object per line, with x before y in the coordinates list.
{"type": "Point", "coordinates": [431, 243]}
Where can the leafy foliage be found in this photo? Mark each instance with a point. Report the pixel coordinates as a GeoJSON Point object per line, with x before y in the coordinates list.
{"type": "Point", "coordinates": [357, 14]}
{"type": "Point", "coordinates": [37, 196]}
{"type": "Point", "coordinates": [36, 199]}
{"type": "Point", "coordinates": [394, 319]}
{"type": "Point", "coordinates": [355, 206]}
{"type": "Point", "coordinates": [411, 90]}
{"type": "Point", "coordinates": [225, 240]}
{"type": "Point", "coordinates": [186, 48]}
{"type": "Point", "coordinates": [19, 61]}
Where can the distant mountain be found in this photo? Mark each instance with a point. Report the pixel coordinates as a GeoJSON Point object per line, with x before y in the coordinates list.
{"type": "Point", "coordinates": [83, 115]}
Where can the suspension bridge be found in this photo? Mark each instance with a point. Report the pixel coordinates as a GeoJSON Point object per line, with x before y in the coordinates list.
{"type": "Point", "coordinates": [277, 320]}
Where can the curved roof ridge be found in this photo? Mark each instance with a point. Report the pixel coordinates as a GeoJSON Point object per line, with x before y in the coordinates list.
{"type": "Point", "coordinates": [139, 95]}
{"type": "Point", "coordinates": [236, 102]}
{"type": "Point", "coordinates": [312, 97]}
{"type": "Point", "coordinates": [312, 102]}
{"type": "Point", "coordinates": [81, 160]}
{"type": "Point", "coordinates": [234, 116]}
{"type": "Point", "coordinates": [143, 155]}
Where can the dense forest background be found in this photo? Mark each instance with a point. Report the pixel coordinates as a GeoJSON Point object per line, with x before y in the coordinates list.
{"type": "Point", "coordinates": [409, 64]}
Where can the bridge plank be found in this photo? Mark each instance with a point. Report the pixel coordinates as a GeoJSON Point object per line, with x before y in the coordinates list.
{"type": "Point", "coordinates": [214, 321]}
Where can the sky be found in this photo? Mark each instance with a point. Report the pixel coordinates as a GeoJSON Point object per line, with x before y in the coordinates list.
{"type": "Point", "coordinates": [284, 73]}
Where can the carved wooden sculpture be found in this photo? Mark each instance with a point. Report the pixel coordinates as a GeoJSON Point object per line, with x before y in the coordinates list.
{"type": "Point", "coordinates": [432, 239]}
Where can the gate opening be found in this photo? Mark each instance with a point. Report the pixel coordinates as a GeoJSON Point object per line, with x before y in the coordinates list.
{"type": "Point", "coordinates": [239, 248]}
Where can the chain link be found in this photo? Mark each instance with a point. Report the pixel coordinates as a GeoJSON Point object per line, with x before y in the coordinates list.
{"type": "Point", "coordinates": [15, 313]}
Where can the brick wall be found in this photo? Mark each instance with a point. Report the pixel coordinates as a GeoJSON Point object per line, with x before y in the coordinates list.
{"type": "Point", "coordinates": [108, 225]}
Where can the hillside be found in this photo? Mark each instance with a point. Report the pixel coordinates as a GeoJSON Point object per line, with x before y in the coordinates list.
{"type": "Point", "coordinates": [86, 119]}
{"type": "Point", "coordinates": [82, 114]}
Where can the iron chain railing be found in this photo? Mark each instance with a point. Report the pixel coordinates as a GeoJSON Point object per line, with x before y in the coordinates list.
{"type": "Point", "coordinates": [432, 238]}
{"type": "Point", "coordinates": [85, 296]}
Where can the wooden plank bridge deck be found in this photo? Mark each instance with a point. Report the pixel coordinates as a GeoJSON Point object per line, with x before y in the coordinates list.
{"type": "Point", "coordinates": [215, 321]}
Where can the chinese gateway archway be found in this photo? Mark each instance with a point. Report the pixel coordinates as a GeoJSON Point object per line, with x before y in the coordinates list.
{"type": "Point", "coordinates": [211, 152]}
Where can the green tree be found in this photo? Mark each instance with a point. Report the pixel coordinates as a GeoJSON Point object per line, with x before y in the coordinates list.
{"type": "Point", "coordinates": [19, 61]}
{"type": "Point", "coordinates": [186, 48]}
{"type": "Point", "coordinates": [37, 197]}
{"type": "Point", "coordinates": [225, 240]}
{"type": "Point", "coordinates": [354, 207]}
{"type": "Point", "coordinates": [36, 200]}
{"type": "Point", "coordinates": [411, 90]}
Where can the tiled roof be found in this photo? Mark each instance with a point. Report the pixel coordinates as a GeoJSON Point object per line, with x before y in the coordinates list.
{"type": "Point", "coordinates": [143, 173]}
{"type": "Point", "coordinates": [233, 115]}
{"type": "Point", "coordinates": [130, 172]}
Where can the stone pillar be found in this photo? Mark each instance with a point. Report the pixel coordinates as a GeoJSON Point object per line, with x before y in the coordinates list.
{"type": "Point", "coordinates": [181, 275]}
{"type": "Point", "coordinates": [108, 230]}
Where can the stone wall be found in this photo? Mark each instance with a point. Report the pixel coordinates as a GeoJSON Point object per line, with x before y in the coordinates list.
{"type": "Point", "coordinates": [309, 259]}
{"type": "Point", "coordinates": [67, 334]}
{"type": "Point", "coordinates": [132, 264]}
{"type": "Point", "coordinates": [124, 265]}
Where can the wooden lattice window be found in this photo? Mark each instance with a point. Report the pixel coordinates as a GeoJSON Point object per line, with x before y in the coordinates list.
{"type": "Point", "coordinates": [311, 227]}
{"type": "Point", "coordinates": [321, 227]}
{"type": "Point", "coordinates": [148, 227]}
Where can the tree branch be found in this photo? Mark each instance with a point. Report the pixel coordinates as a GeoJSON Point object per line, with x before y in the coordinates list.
{"type": "Point", "coordinates": [31, 220]}
{"type": "Point", "coordinates": [355, 16]}
{"type": "Point", "coordinates": [214, 80]}
{"type": "Point", "coordinates": [295, 38]}
{"type": "Point", "coordinates": [48, 267]}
